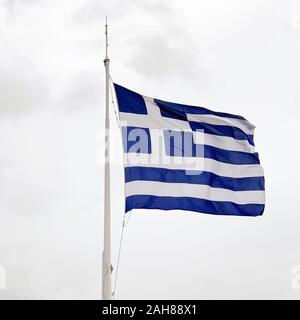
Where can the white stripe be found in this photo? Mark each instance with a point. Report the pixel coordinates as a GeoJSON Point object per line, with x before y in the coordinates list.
{"type": "Point", "coordinates": [222, 142]}
{"type": "Point", "coordinates": [153, 122]}
{"type": "Point", "coordinates": [244, 125]}
{"type": "Point", "coordinates": [198, 164]}
{"type": "Point", "coordinates": [152, 108]}
{"type": "Point", "coordinates": [193, 190]}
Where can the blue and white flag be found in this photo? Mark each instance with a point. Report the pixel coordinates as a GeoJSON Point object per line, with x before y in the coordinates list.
{"type": "Point", "coordinates": [180, 157]}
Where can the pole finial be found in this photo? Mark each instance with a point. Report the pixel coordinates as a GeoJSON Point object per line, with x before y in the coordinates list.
{"type": "Point", "coordinates": [106, 39]}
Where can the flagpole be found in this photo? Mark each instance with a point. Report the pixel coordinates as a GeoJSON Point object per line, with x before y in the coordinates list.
{"type": "Point", "coordinates": [106, 254]}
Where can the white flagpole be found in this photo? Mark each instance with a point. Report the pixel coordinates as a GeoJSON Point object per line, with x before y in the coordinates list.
{"type": "Point", "coordinates": [106, 254]}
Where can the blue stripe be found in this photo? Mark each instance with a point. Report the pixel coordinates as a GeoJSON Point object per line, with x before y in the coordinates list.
{"type": "Point", "coordinates": [220, 130]}
{"type": "Point", "coordinates": [138, 140]}
{"type": "Point", "coordinates": [178, 108]}
{"type": "Point", "coordinates": [204, 177]}
{"type": "Point", "coordinates": [193, 204]}
{"type": "Point", "coordinates": [232, 157]}
{"type": "Point", "coordinates": [179, 143]}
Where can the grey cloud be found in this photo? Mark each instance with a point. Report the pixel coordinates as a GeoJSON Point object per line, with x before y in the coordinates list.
{"type": "Point", "coordinates": [157, 57]}
{"type": "Point", "coordinates": [160, 47]}
{"type": "Point", "coordinates": [11, 5]}
{"type": "Point", "coordinates": [92, 10]}
{"type": "Point", "coordinates": [22, 88]}
{"type": "Point", "coordinates": [82, 92]}
{"type": "Point", "coordinates": [33, 198]}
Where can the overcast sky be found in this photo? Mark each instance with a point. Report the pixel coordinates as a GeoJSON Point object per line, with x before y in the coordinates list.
{"type": "Point", "coordinates": [233, 56]}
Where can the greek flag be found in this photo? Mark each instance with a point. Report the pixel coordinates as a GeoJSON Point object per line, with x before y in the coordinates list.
{"type": "Point", "coordinates": [181, 157]}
